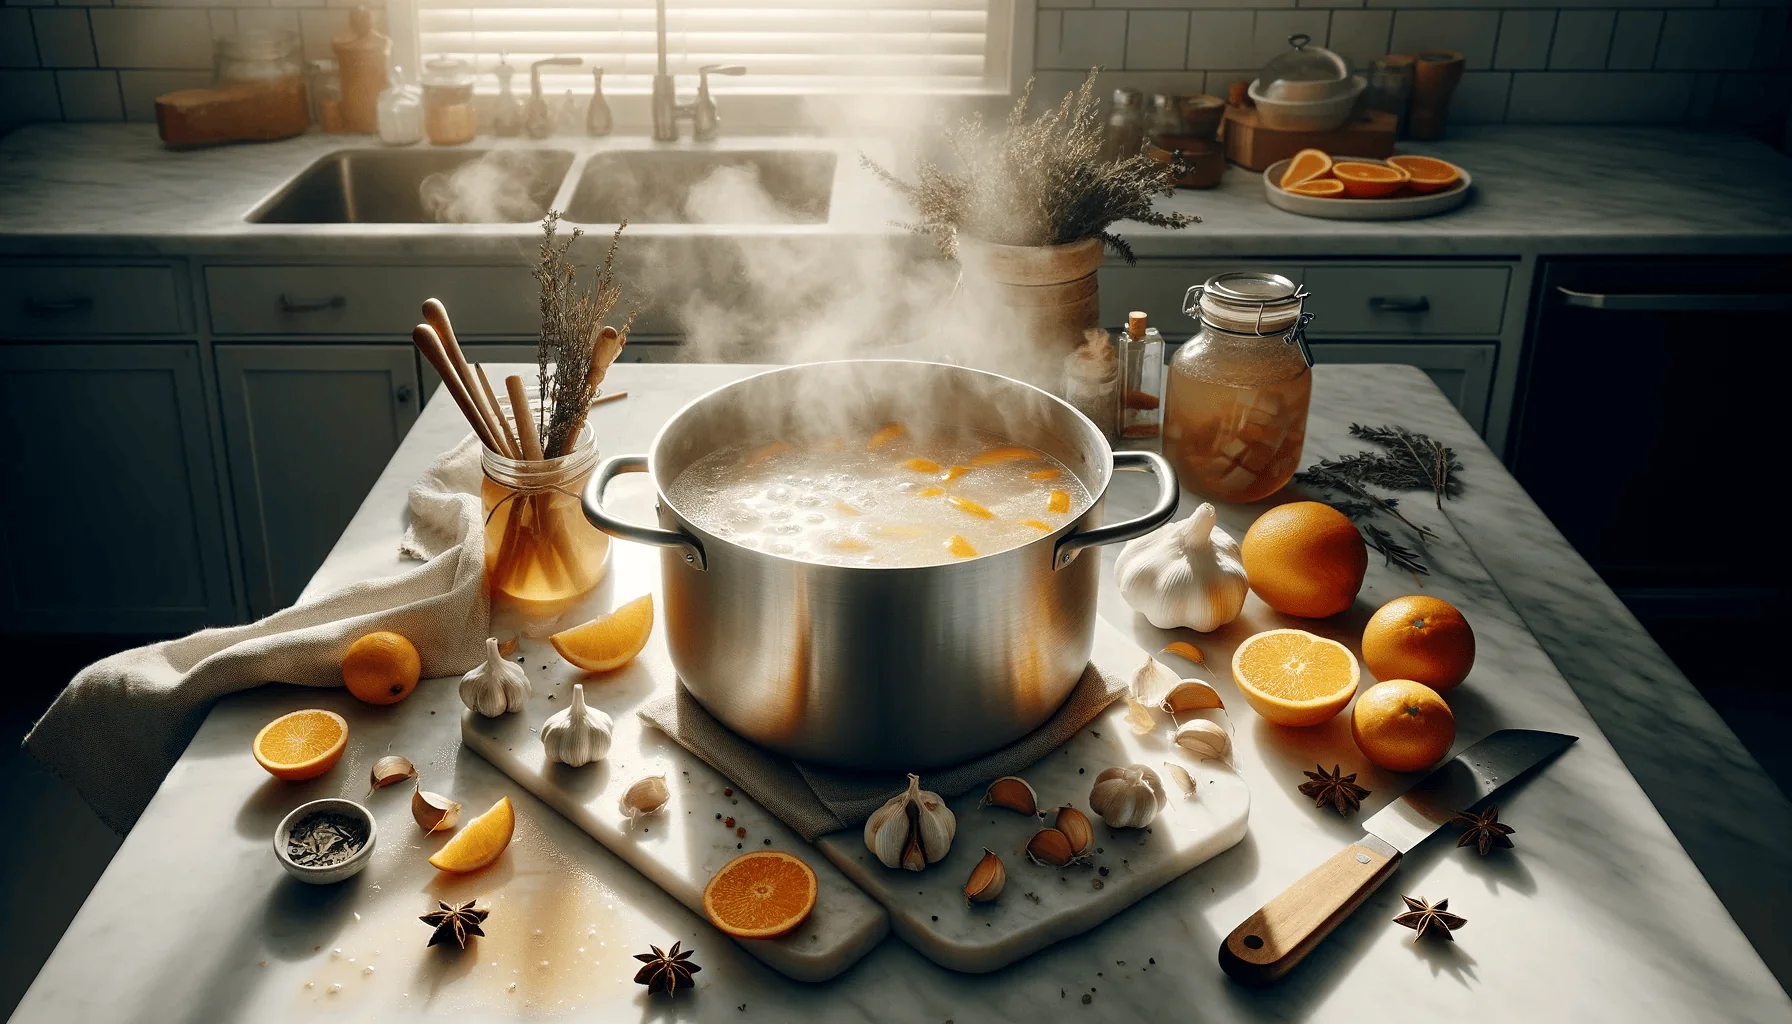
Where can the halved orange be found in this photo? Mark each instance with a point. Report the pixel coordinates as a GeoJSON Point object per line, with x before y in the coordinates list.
{"type": "Point", "coordinates": [301, 745]}
{"type": "Point", "coordinates": [1292, 677]}
{"type": "Point", "coordinates": [610, 641]}
{"type": "Point", "coordinates": [1427, 173]}
{"type": "Point", "coordinates": [1369, 181]}
{"type": "Point", "coordinates": [1306, 165]}
{"type": "Point", "coordinates": [1325, 188]}
{"type": "Point", "coordinates": [480, 843]}
{"type": "Point", "coordinates": [760, 895]}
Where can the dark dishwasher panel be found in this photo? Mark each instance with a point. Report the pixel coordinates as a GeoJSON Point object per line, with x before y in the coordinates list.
{"type": "Point", "coordinates": [1652, 402]}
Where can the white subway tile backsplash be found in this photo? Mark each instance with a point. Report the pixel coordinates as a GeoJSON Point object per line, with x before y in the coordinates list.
{"type": "Point", "coordinates": [1081, 40]}
{"type": "Point", "coordinates": [1044, 4]}
{"type": "Point", "coordinates": [1361, 36]}
{"type": "Point", "coordinates": [1190, 5]}
{"type": "Point", "coordinates": [1219, 39]}
{"type": "Point", "coordinates": [145, 38]}
{"type": "Point", "coordinates": [1633, 41]}
{"type": "Point", "coordinates": [1156, 40]}
{"type": "Point", "coordinates": [1272, 29]}
{"type": "Point", "coordinates": [1524, 40]}
{"type": "Point", "coordinates": [1219, 83]}
{"type": "Point", "coordinates": [1471, 32]}
{"type": "Point", "coordinates": [89, 95]}
{"type": "Point", "coordinates": [1720, 40]}
{"type": "Point", "coordinates": [140, 89]}
{"type": "Point", "coordinates": [255, 19]}
{"type": "Point", "coordinates": [28, 96]}
{"type": "Point", "coordinates": [1329, 3]}
{"type": "Point", "coordinates": [1480, 97]}
{"type": "Point", "coordinates": [1582, 40]}
{"type": "Point", "coordinates": [63, 38]}
{"type": "Point", "coordinates": [1602, 97]}
{"type": "Point", "coordinates": [1703, 105]}
{"type": "Point", "coordinates": [18, 48]}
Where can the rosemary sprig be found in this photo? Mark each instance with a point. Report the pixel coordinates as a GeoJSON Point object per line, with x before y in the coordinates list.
{"type": "Point", "coordinates": [570, 322]}
{"type": "Point", "coordinates": [1408, 461]}
{"type": "Point", "coordinates": [1413, 462]}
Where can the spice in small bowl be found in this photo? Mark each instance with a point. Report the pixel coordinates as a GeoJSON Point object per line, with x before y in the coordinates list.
{"type": "Point", "coordinates": [325, 841]}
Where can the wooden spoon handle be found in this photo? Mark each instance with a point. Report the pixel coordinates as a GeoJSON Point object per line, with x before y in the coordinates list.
{"type": "Point", "coordinates": [1270, 942]}
{"type": "Point", "coordinates": [427, 342]}
{"type": "Point", "coordinates": [436, 315]}
{"type": "Point", "coordinates": [491, 398]}
{"type": "Point", "coordinates": [525, 421]}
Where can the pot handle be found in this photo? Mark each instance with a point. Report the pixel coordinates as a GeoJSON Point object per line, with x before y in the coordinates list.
{"type": "Point", "coordinates": [623, 530]}
{"type": "Point", "coordinates": [1168, 494]}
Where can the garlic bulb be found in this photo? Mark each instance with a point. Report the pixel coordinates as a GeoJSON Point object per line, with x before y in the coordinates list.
{"type": "Point", "coordinates": [987, 879]}
{"type": "Point", "coordinates": [1128, 797]}
{"type": "Point", "coordinates": [495, 687]}
{"type": "Point", "coordinates": [912, 830]}
{"type": "Point", "coordinates": [1185, 574]}
{"type": "Point", "coordinates": [578, 735]}
{"type": "Point", "coordinates": [644, 797]}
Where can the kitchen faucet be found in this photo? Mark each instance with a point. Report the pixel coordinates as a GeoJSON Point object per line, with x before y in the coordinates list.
{"type": "Point", "coordinates": [536, 120]}
{"type": "Point", "coordinates": [666, 108]}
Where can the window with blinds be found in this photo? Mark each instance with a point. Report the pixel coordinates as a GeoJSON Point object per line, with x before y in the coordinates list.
{"type": "Point", "coordinates": [787, 46]}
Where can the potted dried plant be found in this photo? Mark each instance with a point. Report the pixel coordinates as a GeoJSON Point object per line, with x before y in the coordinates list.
{"type": "Point", "coordinates": [1028, 211]}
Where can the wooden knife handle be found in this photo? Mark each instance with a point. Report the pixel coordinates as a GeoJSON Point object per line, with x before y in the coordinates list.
{"type": "Point", "coordinates": [1270, 942]}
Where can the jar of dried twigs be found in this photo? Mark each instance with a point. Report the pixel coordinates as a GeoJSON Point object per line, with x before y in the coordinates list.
{"type": "Point", "coordinates": [541, 554]}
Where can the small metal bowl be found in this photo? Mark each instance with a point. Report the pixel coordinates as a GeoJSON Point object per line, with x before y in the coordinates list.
{"type": "Point", "coordinates": [335, 872]}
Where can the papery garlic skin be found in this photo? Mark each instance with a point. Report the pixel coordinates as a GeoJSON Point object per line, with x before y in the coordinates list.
{"type": "Point", "coordinates": [1128, 797]}
{"type": "Point", "coordinates": [495, 686]}
{"type": "Point", "coordinates": [912, 829]}
{"type": "Point", "coordinates": [645, 797]}
{"type": "Point", "coordinates": [1186, 574]}
{"type": "Point", "coordinates": [577, 735]}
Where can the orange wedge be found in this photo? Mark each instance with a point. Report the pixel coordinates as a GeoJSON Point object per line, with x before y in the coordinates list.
{"type": "Point", "coordinates": [848, 543]}
{"type": "Point", "coordinates": [766, 451]}
{"type": "Point", "coordinates": [1326, 188]}
{"type": "Point", "coordinates": [960, 547]}
{"type": "Point", "coordinates": [954, 472]}
{"type": "Point", "coordinates": [1037, 525]}
{"type": "Point", "coordinates": [1306, 165]}
{"type": "Point", "coordinates": [846, 510]}
{"type": "Point", "coordinates": [610, 641]}
{"type": "Point", "coordinates": [967, 505]}
{"type": "Point", "coordinates": [930, 492]}
{"type": "Point", "coordinates": [1369, 181]}
{"type": "Point", "coordinates": [301, 745]}
{"type": "Point", "coordinates": [1058, 501]}
{"type": "Point", "coordinates": [480, 843]}
{"type": "Point", "coordinates": [1044, 474]}
{"type": "Point", "coordinates": [889, 433]}
{"type": "Point", "coordinates": [1427, 173]}
{"type": "Point", "coordinates": [760, 895]}
{"type": "Point", "coordinates": [921, 465]}
{"type": "Point", "coordinates": [1292, 677]}
{"type": "Point", "coordinates": [997, 455]}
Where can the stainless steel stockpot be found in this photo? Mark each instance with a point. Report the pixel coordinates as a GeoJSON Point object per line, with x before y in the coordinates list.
{"type": "Point", "coordinates": [868, 667]}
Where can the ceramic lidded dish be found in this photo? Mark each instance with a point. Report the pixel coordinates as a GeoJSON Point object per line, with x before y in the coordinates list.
{"type": "Point", "coordinates": [326, 875]}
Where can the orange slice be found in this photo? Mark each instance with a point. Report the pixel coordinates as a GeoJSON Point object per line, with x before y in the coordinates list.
{"type": "Point", "coordinates": [998, 455]}
{"type": "Point", "coordinates": [760, 895]}
{"type": "Point", "coordinates": [1037, 525]}
{"type": "Point", "coordinates": [1058, 501]}
{"type": "Point", "coordinates": [967, 505]}
{"type": "Point", "coordinates": [1323, 187]}
{"type": "Point", "coordinates": [889, 433]}
{"type": "Point", "coordinates": [954, 472]}
{"type": "Point", "coordinates": [930, 492]}
{"type": "Point", "coordinates": [1427, 173]}
{"type": "Point", "coordinates": [920, 465]}
{"type": "Point", "coordinates": [1292, 677]}
{"type": "Point", "coordinates": [1306, 165]}
{"type": "Point", "coordinates": [1044, 474]}
{"type": "Point", "coordinates": [480, 843]}
{"type": "Point", "coordinates": [846, 542]}
{"type": "Point", "coordinates": [301, 745]}
{"type": "Point", "coordinates": [1369, 181]}
{"type": "Point", "coordinates": [960, 547]}
{"type": "Point", "coordinates": [766, 451]}
{"type": "Point", "coordinates": [610, 641]}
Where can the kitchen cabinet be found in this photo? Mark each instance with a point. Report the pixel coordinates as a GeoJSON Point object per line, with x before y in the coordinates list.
{"type": "Point", "coordinates": [307, 430]}
{"type": "Point", "coordinates": [1464, 373]}
{"type": "Point", "coordinates": [369, 300]}
{"type": "Point", "coordinates": [85, 301]}
{"type": "Point", "coordinates": [113, 521]}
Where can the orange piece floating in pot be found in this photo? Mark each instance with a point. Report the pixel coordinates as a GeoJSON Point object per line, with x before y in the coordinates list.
{"type": "Point", "coordinates": [921, 465]}
{"type": "Point", "coordinates": [999, 455]}
{"type": "Point", "coordinates": [930, 492]}
{"type": "Point", "coordinates": [1037, 525]}
{"type": "Point", "coordinates": [766, 451]}
{"type": "Point", "coordinates": [954, 472]}
{"type": "Point", "coordinates": [846, 542]}
{"type": "Point", "coordinates": [889, 433]}
{"type": "Point", "coordinates": [1044, 474]}
{"type": "Point", "coordinates": [967, 505]}
{"type": "Point", "coordinates": [846, 510]}
{"type": "Point", "coordinates": [896, 531]}
{"type": "Point", "coordinates": [961, 547]}
{"type": "Point", "coordinates": [1058, 502]}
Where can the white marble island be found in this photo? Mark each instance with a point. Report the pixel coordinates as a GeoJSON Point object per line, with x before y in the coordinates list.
{"type": "Point", "coordinates": [1598, 915]}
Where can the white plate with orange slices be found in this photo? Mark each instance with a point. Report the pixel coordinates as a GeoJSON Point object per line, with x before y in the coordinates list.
{"type": "Point", "coordinates": [1312, 184]}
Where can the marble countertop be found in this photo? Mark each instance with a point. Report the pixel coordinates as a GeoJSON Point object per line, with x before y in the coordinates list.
{"type": "Point", "coordinates": [115, 191]}
{"type": "Point", "coordinates": [1601, 916]}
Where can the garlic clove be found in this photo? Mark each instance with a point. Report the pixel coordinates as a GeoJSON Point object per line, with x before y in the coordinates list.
{"type": "Point", "coordinates": [645, 797]}
{"type": "Point", "coordinates": [1050, 848]}
{"type": "Point", "coordinates": [914, 858]}
{"type": "Point", "coordinates": [1152, 681]}
{"type": "Point", "coordinates": [1013, 793]}
{"type": "Point", "coordinates": [987, 879]}
{"type": "Point", "coordinates": [1191, 695]}
{"type": "Point", "coordinates": [390, 770]}
{"type": "Point", "coordinates": [1184, 649]}
{"type": "Point", "coordinates": [1203, 739]}
{"type": "Point", "coordinates": [1077, 828]}
{"type": "Point", "coordinates": [577, 735]}
{"type": "Point", "coordinates": [1184, 781]}
{"type": "Point", "coordinates": [433, 811]}
{"type": "Point", "coordinates": [1139, 718]}
{"type": "Point", "coordinates": [1128, 797]}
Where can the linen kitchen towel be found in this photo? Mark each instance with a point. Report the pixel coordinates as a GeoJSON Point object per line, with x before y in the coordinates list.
{"type": "Point", "coordinates": [118, 728]}
{"type": "Point", "coordinates": [815, 800]}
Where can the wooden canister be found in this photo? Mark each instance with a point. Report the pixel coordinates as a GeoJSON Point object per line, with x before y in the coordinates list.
{"type": "Point", "coordinates": [1050, 293]}
{"type": "Point", "coordinates": [1434, 81]}
{"type": "Point", "coordinates": [362, 54]}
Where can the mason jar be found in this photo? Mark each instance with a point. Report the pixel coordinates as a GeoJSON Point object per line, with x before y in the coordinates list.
{"type": "Point", "coordinates": [1236, 404]}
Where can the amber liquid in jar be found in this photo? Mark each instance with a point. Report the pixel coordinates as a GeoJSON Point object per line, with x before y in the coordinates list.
{"type": "Point", "coordinates": [541, 554]}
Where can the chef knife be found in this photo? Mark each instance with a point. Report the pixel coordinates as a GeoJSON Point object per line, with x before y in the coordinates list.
{"type": "Point", "coordinates": [1270, 942]}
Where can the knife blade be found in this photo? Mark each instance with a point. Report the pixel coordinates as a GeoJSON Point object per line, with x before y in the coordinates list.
{"type": "Point", "coordinates": [1270, 942]}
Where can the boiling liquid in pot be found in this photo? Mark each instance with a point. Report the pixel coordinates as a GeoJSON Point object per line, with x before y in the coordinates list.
{"type": "Point", "coordinates": [886, 498]}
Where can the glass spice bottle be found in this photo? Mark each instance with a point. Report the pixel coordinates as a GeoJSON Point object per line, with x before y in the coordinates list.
{"type": "Point", "coordinates": [507, 111]}
{"type": "Point", "coordinates": [1092, 381]}
{"type": "Point", "coordinates": [1141, 378]}
{"type": "Point", "coordinates": [1236, 408]}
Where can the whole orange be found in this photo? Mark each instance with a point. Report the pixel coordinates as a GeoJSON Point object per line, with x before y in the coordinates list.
{"type": "Point", "coordinates": [1305, 558]}
{"type": "Point", "coordinates": [381, 668]}
{"type": "Point", "coordinates": [1402, 726]}
{"type": "Point", "coordinates": [1420, 638]}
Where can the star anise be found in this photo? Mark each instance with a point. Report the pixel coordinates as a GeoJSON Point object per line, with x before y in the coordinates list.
{"type": "Point", "coordinates": [1337, 789]}
{"type": "Point", "coordinates": [1483, 831]}
{"type": "Point", "coordinates": [454, 921]}
{"type": "Point", "coordinates": [666, 971]}
{"type": "Point", "coordinates": [1422, 917]}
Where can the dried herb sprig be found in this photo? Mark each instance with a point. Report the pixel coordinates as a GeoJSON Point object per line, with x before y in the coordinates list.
{"type": "Point", "coordinates": [1408, 461]}
{"type": "Point", "coordinates": [571, 319]}
{"type": "Point", "coordinates": [1036, 182]}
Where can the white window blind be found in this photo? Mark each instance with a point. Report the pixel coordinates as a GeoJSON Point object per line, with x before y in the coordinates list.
{"type": "Point", "coordinates": [787, 46]}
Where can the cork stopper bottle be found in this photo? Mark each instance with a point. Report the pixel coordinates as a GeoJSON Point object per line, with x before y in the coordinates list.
{"type": "Point", "coordinates": [362, 53]}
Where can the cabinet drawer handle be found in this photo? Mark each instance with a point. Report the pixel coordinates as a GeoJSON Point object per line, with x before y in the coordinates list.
{"type": "Point", "coordinates": [287, 305]}
{"type": "Point", "coordinates": [1399, 303]}
{"type": "Point", "coordinates": [57, 307]}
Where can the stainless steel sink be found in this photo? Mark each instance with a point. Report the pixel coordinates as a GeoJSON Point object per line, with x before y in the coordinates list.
{"type": "Point", "coordinates": [704, 187]}
{"type": "Point", "coordinates": [420, 186]}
